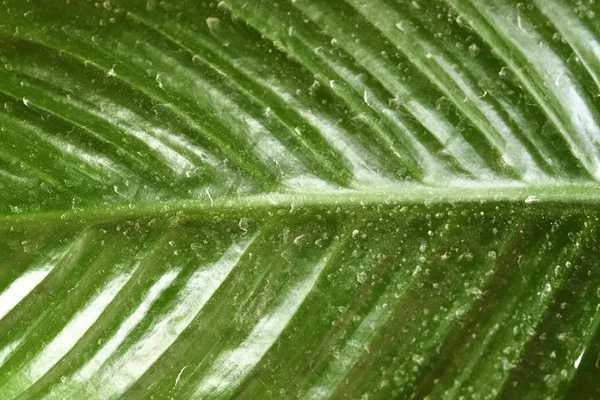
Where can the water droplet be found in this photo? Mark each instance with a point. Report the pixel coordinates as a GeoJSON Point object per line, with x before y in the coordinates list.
{"type": "Point", "coordinates": [418, 359]}
{"type": "Point", "coordinates": [299, 240]}
{"type": "Point", "coordinates": [243, 224]}
{"type": "Point", "coordinates": [361, 277]}
{"type": "Point", "coordinates": [474, 50]}
{"type": "Point", "coordinates": [213, 24]}
{"type": "Point", "coordinates": [531, 199]}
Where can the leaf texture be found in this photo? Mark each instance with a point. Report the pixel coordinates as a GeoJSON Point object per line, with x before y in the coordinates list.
{"type": "Point", "coordinates": [299, 199]}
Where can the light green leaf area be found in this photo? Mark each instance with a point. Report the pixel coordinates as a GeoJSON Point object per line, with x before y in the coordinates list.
{"type": "Point", "coordinates": [346, 199]}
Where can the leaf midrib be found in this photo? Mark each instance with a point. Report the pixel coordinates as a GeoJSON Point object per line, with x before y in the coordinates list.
{"type": "Point", "coordinates": [579, 194]}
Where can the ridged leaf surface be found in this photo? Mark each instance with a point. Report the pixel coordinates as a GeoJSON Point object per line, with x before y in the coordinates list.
{"type": "Point", "coordinates": [346, 199]}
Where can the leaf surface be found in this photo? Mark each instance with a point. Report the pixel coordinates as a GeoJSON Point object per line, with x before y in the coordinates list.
{"type": "Point", "coordinates": [299, 199]}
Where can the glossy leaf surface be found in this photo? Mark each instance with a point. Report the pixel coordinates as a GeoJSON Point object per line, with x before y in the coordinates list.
{"type": "Point", "coordinates": [362, 199]}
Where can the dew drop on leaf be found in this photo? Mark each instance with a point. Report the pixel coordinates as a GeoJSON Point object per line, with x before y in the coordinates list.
{"type": "Point", "coordinates": [474, 50]}
{"type": "Point", "coordinates": [361, 277]}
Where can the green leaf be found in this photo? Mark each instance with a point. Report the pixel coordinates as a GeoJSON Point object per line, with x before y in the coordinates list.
{"type": "Point", "coordinates": [362, 199]}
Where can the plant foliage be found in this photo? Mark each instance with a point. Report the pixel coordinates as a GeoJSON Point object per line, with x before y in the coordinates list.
{"type": "Point", "coordinates": [257, 199]}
